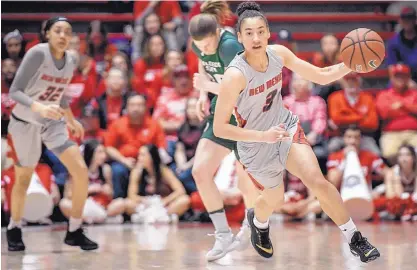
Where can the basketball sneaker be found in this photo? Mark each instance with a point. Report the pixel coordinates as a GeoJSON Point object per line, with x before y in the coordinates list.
{"type": "Point", "coordinates": [78, 238]}
{"type": "Point", "coordinates": [14, 239]}
{"type": "Point", "coordinates": [221, 247]}
{"type": "Point", "coordinates": [242, 238]}
{"type": "Point", "coordinates": [359, 246]}
{"type": "Point", "coordinates": [260, 237]}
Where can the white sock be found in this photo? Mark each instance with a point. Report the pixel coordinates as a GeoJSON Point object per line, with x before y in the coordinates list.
{"type": "Point", "coordinates": [74, 224]}
{"type": "Point", "coordinates": [14, 224]}
{"type": "Point", "coordinates": [348, 229]}
{"type": "Point", "coordinates": [260, 225]}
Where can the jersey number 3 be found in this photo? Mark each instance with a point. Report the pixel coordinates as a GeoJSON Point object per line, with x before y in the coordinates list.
{"type": "Point", "coordinates": [51, 94]}
{"type": "Point", "coordinates": [269, 100]}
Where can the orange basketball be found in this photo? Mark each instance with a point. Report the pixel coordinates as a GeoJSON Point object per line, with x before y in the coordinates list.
{"type": "Point", "coordinates": [362, 50]}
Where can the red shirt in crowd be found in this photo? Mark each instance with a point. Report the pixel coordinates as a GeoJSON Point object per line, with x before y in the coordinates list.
{"type": "Point", "coordinates": [144, 75]}
{"type": "Point", "coordinates": [166, 10]}
{"type": "Point", "coordinates": [81, 90]}
{"type": "Point", "coordinates": [114, 106]}
{"type": "Point", "coordinates": [128, 138]}
{"type": "Point", "coordinates": [397, 118]}
{"type": "Point", "coordinates": [368, 160]}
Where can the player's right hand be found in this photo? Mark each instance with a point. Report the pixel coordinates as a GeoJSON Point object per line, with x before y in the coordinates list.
{"type": "Point", "coordinates": [201, 108]}
{"type": "Point", "coordinates": [51, 111]}
{"type": "Point", "coordinates": [276, 134]}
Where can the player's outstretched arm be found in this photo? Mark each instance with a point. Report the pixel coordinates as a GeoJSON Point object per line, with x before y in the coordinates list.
{"type": "Point", "coordinates": [308, 71]}
{"type": "Point", "coordinates": [232, 84]}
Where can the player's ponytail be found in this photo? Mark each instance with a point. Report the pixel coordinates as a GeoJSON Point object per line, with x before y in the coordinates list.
{"type": "Point", "coordinates": [249, 10]}
{"type": "Point", "coordinates": [213, 14]}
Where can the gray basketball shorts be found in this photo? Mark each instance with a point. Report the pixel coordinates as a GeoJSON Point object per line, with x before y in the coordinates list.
{"type": "Point", "coordinates": [265, 163]}
{"type": "Point", "coordinates": [28, 138]}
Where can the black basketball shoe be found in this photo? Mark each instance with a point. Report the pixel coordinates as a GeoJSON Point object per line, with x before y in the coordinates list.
{"type": "Point", "coordinates": [359, 246]}
{"type": "Point", "coordinates": [260, 237]}
{"type": "Point", "coordinates": [14, 239]}
{"type": "Point", "coordinates": [78, 238]}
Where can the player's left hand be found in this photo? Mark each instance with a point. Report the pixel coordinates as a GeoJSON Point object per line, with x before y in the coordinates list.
{"type": "Point", "coordinates": [76, 129]}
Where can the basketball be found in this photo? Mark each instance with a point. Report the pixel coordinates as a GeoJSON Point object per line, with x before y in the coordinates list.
{"type": "Point", "coordinates": [362, 50]}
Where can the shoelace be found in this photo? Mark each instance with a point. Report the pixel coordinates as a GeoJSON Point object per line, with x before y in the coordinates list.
{"type": "Point", "coordinates": [364, 245]}
{"type": "Point", "coordinates": [263, 237]}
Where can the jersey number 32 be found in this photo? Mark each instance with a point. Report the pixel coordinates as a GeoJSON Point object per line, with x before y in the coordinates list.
{"type": "Point", "coordinates": [51, 94]}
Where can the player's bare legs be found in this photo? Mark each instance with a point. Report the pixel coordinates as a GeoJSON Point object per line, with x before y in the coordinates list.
{"type": "Point", "coordinates": [303, 163]}
{"type": "Point", "coordinates": [269, 200]}
{"type": "Point", "coordinates": [74, 162]}
{"type": "Point", "coordinates": [23, 175]}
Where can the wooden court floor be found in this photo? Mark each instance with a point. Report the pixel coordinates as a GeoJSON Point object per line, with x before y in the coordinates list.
{"type": "Point", "coordinates": [305, 246]}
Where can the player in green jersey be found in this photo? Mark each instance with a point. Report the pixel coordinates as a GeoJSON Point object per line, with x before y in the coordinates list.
{"type": "Point", "coordinates": [216, 48]}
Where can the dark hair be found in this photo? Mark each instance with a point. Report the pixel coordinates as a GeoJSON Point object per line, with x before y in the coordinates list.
{"type": "Point", "coordinates": [42, 32]}
{"type": "Point", "coordinates": [52, 21]}
{"type": "Point", "coordinates": [214, 13]}
{"type": "Point", "coordinates": [249, 10]}
{"type": "Point", "coordinates": [91, 49]}
{"type": "Point", "coordinates": [352, 128]}
{"type": "Point", "coordinates": [90, 147]}
{"type": "Point", "coordinates": [147, 51]}
{"type": "Point", "coordinates": [413, 154]}
{"type": "Point", "coordinates": [156, 164]}
{"type": "Point", "coordinates": [146, 35]}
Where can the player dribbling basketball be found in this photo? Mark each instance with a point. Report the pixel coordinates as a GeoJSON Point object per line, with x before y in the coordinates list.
{"type": "Point", "coordinates": [269, 136]}
{"type": "Point", "coordinates": [38, 89]}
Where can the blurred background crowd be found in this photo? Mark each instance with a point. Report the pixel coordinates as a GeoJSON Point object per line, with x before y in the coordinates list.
{"type": "Point", "coordinates": [140, 148]}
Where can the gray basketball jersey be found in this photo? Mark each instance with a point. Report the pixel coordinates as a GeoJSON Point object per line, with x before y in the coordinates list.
{"type": "Point", "coordinates": [47, 86]}
{"type": "Point", "coordinates": [260, 107]}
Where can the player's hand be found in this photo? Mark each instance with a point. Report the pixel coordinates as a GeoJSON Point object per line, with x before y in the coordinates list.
{"type": "Point", "coordinates": [77, 130]}
{"type": "Point", "coordinates": [276, 134]}
{"type": "Point", "coordinates": [201, 107]}
{"type": "Point", "coordinates": [54, 112]}
{"type": "Point", "coordinates": [199, 81]}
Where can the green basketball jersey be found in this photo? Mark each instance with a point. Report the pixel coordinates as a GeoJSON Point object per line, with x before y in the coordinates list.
{"type": "Point", "coordinates": [215, 64]}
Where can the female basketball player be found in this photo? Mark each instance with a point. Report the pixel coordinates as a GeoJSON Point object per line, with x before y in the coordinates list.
{"type": "Point", "coordinates": [39, 89]}
{"type": "Point", "coordinates": [269, 137]}
{"type": "Point", "coordinates": [215, 48]}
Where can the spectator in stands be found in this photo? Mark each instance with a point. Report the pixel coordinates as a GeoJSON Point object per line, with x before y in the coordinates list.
{"type": "Point", "coordinates": [13, 42]}
{"type": "Point", "coordinates": [397, 107]}
{"type": "Point", "coordinates": [125, 137]}
{"type": "Point", "coordinates": [401, 186]}
{"type": "Point", "coordinates": [151, 177]}
{"type": "Point", "coordinates": [312, 112]}
{"type": "Point", "coordinates": [152, 62]}
{"type": "Point", "coordinates": [163, 82]}
{"type": "Point", "coordinates": [75, 43]}
{"type": "Point", "coordinates": [170, 107]}
{"type": "Point", "coordinates": [370, 163]}
{"type": "Point", "coordinates": [151, 26]}
{"type": "Point", "coordinates": [170, 16]}
{"type": "Point", "coordinates": [112, 104]}
{"type": "Point", "coordinates": [299, 202]}
{"type": "Point", "coordinates": [100, 189]}
{"type": "Point", "coordinates": [91, 121]}
{"type": "Point", "coordinates": [188, 137]}
{"type": "Point", "coordinates": [98, 46]}
{"type": "Point", "coordinates": [327, 57]}
{"type": "Point", "coordinates": [352, 106]}
{"type": "Point", "coordinates": [81, 89]}
{"type": "Point", "coordinates": [403, 176]}
{"type": "Point", "coordinates": [402, 48]}
{"type": "Point", "coordinates": [285, 39]}
{"type": "Point", "coordinates": [87, 63]}
{"type": "Point", "coordinates": [8, 71]}
{"type": "Point", "coordinates": [40, 39]}
{"type": "Point", "coordinates": [119, 61]}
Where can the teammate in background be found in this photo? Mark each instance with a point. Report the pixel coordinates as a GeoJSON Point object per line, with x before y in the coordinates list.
{"type": "Point", "coordinates": [216, 48]}
{"type": "Point", "coordinates": [39, 90]}
{"type": "Point", "coordinates": [269, 137]}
